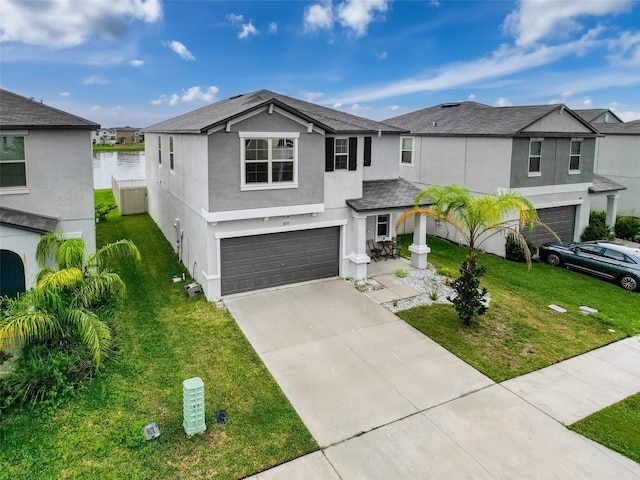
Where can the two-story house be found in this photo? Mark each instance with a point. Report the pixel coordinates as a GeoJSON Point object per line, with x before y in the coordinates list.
{"type": "Point", "coordinates": [617, 163]}
{"type": "Point", "coordinates": [46, 184]}
{"type": "Point", "coordinates": [544, 152]}
{"type": "Point", "coordinates": [261, 190]}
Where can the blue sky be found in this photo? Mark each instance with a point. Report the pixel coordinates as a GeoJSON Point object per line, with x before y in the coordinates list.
{"type": "Point", "coordinates": [138, 62]}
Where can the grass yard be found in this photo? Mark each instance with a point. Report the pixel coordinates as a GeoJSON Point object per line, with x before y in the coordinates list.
{"type": "Point", "coordinates": [131, 147]}
{"type": "Point", "coordinates": [616, 427]}
{"type": "Point", "coordinates": [520, 333]}
{"type": "Point", "coordinates": [163, 338]}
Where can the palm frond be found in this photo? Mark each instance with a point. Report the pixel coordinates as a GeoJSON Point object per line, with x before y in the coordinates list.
{"type": "Point", "coordinates": [122, 249]}
{"type": "Point", "coordinates": [47, 247]}
{"type": "Point", "coordinates": [29, 326]}
{"type": "Point", "coordinates": [60, 280]}
{"type": "Point", "coordinates": [96, 289]}
{"type": "Point", "coordinates": [93, 332]}
{"type": "Point", "coordinates": [71, 253]}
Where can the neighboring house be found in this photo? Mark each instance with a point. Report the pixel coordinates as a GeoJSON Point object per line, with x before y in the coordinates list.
{"type": "Point", "coordinates": [128, 135]}
{"type": "Point", "coordinates": [544, 152]}
{"type": "Point", "coordinates": [46, 184]}
{"type": "Point", "coordinates": [103, 136]}
{"type": "Point", "coordinates": [617, 161]}
{"type": "Point", "coordinates": [262, 189]}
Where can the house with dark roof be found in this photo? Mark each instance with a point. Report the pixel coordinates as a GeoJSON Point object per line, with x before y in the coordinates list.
{"type": "Point", "coordinates": [618, 160]}
{"type": "Point", "coordinates": [598, 115]}
{"type": "Point", "coordinates": [262, 189]}
{"type": "Point", "coordinates": [544, 152]}
{"type": "Point", "coordinates": [46, 184]}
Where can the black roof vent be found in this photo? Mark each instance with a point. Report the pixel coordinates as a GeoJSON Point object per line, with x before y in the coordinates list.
{"type": "Point", "coordinates": [449, 105]}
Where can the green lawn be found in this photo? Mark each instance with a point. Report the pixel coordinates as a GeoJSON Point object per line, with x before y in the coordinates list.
{"type": "Point", "coordinates": [135, 147]}
{"type": "Point", "coordinates": [163, 338]}
{"type": "Point", "coordinates": [520, 333]}
{"type": "Point", "coordinates": [617, 427]}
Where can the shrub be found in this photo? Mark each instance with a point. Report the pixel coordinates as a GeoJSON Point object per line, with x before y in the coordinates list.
{"type": "Point", "coordinates": [514, 250]}
{"type": "Point", "coordinates": [447, 272]}
{"type": "Point", "coordinates": [627, 228]}
{"type": "Point", "coordinates": [470, 300]}
{"type": "Point", "coordinates": [401, 273]}
{"type": "Point", "coordinates": [102, 210]}
{"type": "Point", "coordinates": [597, 228]}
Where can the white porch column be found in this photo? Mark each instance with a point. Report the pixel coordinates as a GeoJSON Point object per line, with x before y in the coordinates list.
{"type": "Point", "coordinates": [419, 247]}
{"type": "Point", "coordinates": [612, 209]}
{"type": "Point", "coordinates": [358, 257]}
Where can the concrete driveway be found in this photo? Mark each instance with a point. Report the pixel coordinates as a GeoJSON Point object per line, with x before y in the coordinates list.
{"type": "Point", "coordinates": [384, 401]}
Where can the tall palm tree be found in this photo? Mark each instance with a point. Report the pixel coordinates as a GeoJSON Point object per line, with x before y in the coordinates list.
{"type": "Point", "coordinates": [66, 298]}
{"type": "Point", "coordinates": [477, 218]}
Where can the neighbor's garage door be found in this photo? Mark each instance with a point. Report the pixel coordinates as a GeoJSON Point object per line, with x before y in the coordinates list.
{"type": "Point", "coordinates": [560, 219]}
{"type": "Point", "coordinates": [262, 261]}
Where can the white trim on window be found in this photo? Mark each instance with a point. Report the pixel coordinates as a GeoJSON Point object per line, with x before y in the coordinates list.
{"type": "Point", "coordinates": [383, 222]}
{"type": "Point", "coordinates": [407, 149]}
{"type": "Point", "coordinates": [341, 152]}
{"type": "Point", "coordinates": [536, 156]}
{"type": "Point", "coordinates": [270, 184]}
{"type": "Point", "coordinates": [575, 156]}
{"type": "Point", "coordinates": [4, 148]}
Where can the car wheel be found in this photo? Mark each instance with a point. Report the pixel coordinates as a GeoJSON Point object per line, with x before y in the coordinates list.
{"type": "Point", "coordinates": [553, 259]}
{"type": "Point", "coordinates": [628, 282]}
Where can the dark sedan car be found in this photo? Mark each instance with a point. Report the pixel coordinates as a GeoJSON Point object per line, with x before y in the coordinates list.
{"type": "Point", "coordinates": [613, 261]}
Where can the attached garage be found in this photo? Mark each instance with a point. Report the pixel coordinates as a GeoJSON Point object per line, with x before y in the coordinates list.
{"type": "Point", "coordinates": [561, 220]}
{"type": "Point", "coordinates": [264, 261]}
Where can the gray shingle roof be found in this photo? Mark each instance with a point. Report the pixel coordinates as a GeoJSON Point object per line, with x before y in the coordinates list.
{"type": "Point", "coordinates": [202, 119]}
{"type": "Point", "coordinates": [19, 112]}
{"type": "Point", "coordinates": [628, 128]}
{"type": "Point", "coordinates": [384, 195]}
{"type": "Point", "coordinates": [603, 184]}
{"type": "Point", "coordinates": [475, 119]}
{"type": "Point", "coordinates": [31, 222]}
{"type": "Point", "coordinates": [590, 114]}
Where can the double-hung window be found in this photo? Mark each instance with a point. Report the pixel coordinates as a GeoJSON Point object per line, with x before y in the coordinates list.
{"type": "Point", "coordinates": [172, 164]}
{"type": "Point", "coordinates": [535, 157]}
{"type": "Point", "coordinates": [341, 153]}
{"type": "Point", "coordinates": [382, 227]}
{"type": "Point", "coordinates": [269, 160]}
{"type": "Point", "coordinates": [574, 155]}
{"type": "Point", "coordinates": [406, 150]}
{"type": "Point", "coordinates": [13, 162]}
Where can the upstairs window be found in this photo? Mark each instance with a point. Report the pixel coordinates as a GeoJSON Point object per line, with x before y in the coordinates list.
{"type": "Point", "coordinates": [13, 163]}
{"type": "Point", "coordinates": [159, 149]}
{"type": "Point", "coordinates": [269, 162]}
{"type": "Point", "coordinates": [535, 157]}
{"type": "Point", "coordinates": [406, 150]}
{"type": "Point", "coordinates": [341, 154]}
{"type": "Point", "coordinates": [574, 155]}
{"type": "Point", "coordinates": [171, 162]}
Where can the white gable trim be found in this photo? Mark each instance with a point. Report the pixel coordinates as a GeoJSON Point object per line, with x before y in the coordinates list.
{"type": "Point", "coordinates": [270, 109]}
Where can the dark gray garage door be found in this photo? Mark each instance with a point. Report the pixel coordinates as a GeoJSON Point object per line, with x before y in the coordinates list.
{"type": "Point", "coordinates": [560, 219]}
{"type": "Point", "coordinates": [263, 261]}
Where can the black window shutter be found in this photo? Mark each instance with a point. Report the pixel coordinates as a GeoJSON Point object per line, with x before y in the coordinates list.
{"type": "Point", "coordinates": [353, 151]}
{"type": "Point", "coordinates": [328, 154]}
{"type": "Point", "coordinates": [367, 151]}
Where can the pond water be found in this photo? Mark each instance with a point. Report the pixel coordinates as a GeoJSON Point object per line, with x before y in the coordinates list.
{"type": "Point", "coordinates": [121, 165]}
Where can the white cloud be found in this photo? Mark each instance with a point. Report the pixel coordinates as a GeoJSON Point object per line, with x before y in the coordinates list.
{"type": "Point", "coordinates": [505, 61]}
{"type": "Point", "coordinates": [65, 94]}
{"type": "Point", "coordinates": [65, 23]}
{"type": "Point", "coordinates": [311, 96]}
{"type": "Point", "coordinates": [273, 27]}
{"type": "Point", "coordinates": [136, 63]}
{"type": "Point", "coordinates": [472, 97]}
{"type": "Point", "coordinates": [625, 50]}
{"type": "Point", "coordinates": [95, 80]}
{"type": "Point", "coordinates": [627, 115]}
{"type": "Point", "coordinates": [190, 95]}
{"type": "Point", "coordinates": [534, 21]}
{"type": "Point", "coordinates": [318, 16]}
{"type": "Point", "coordinates": [235, 19]}
{"type": "Point", "coordinates": [587, 102]}
{"type": "Point", "coordinates": [503, 102]}
{"type": "Point", "coordinates": [358, 14]}
{"type": "Point", "coordinates": [382, 55]}
{"type": "Point", "coordinates": [180, 49]}
{"type": "Point", "coordinates": [247, 29]}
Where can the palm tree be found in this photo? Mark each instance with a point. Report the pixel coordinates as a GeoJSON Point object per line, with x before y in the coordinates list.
{"type": "Point", "coordinates": [66, 298]}
{"type": "Point", "coordinates": [477, 218]}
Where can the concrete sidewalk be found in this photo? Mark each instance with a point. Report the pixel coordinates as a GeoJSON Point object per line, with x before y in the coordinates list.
{"type": "Point", "coordinates": [384, 401]}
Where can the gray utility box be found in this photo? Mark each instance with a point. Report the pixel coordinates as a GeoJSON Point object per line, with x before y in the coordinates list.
{"type": "Point", "coordinates": [193, 398]}
{"type": "Point", "coordinates": [193, 289]}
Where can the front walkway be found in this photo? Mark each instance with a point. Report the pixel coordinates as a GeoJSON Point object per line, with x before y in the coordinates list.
{"type": "Point", "coordinates": [384, 401]}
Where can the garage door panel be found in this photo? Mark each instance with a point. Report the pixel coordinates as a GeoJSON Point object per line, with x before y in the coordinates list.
{"type": "Point", "coordinates": [560, 219]}
{"type": "Point", "coordinates": [262, 261]}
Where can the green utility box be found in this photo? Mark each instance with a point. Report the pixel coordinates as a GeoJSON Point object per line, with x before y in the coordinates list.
{"type": "Point", "coordinates": [193, 398]}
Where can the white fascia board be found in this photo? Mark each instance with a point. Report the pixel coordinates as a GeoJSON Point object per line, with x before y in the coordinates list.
{"type": "Point", "coordinates": [564, 203]}
{"type": "Point", "coordinates": [278, 229]}
{"type": "Point", "coordinates": [14, 133]}
{"type": "Point", "coordinates": [250, 213]}
{"type": "Point", "coordinates": [270, 109]}
{"type": "Point", "coordinates": [550, 189]}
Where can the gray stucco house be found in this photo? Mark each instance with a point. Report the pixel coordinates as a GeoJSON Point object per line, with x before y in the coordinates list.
{"type": "Point", "coordinates": [261, 190]}
{"type": "Point", "coordinates": [617, 162]}
{"type": "Point", "coordinates": [544, 152]}
{"type": "Point", "coordinates": [46, 184]}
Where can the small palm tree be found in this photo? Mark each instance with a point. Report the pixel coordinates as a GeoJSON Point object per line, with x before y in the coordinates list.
{"type": "Point", "coordinates": [65, 299]}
